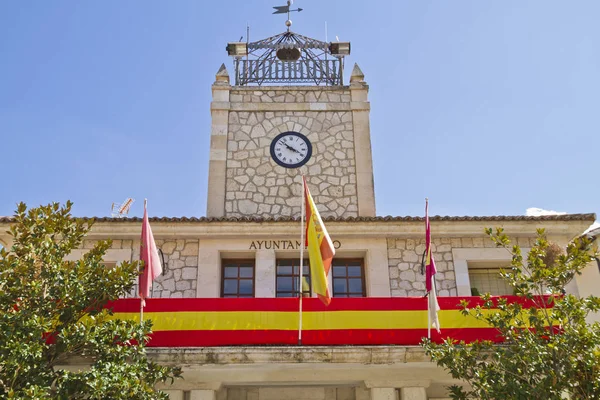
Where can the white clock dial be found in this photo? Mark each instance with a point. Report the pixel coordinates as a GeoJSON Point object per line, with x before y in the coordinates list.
{"type": "Point", "coordinates": [291, 149]}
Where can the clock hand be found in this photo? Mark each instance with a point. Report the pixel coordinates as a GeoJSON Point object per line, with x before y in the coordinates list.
{"type": "Point", "coordinates": [291, 148]}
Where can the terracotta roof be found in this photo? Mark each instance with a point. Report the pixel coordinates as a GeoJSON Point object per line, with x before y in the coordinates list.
{"type": "Point", "coordinates": [565, 217]}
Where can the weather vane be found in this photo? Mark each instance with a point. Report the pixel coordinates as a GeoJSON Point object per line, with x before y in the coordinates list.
{"type": "Point", "coordinates": [286, 9]}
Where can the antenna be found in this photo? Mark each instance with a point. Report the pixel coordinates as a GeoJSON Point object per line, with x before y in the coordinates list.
{"type": "Point", "coordinates": [120, 210]}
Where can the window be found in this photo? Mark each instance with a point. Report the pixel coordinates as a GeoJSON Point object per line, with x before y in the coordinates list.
{"type": "Point", "coordinates": [348, 278]}
{"type": "Point", "coordinates": [238, 278]}
{"type": "Point", "coordinates": [485, 278]}
{"type": "Point", "coordinates": [287, 278]}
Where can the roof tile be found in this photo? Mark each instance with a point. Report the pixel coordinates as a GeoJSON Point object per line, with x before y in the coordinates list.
{"type": "Point", "coordinates": [389, 218]}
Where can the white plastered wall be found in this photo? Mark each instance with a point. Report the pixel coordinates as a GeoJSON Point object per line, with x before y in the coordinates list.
{"type": "Point", "coordinates": [112, 256]}
{"type": "Point", "coordinates": [588, 284]}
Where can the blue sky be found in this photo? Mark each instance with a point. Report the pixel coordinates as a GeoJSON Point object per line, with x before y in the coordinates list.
{"type": "Point", "coordinates": [487, 108]}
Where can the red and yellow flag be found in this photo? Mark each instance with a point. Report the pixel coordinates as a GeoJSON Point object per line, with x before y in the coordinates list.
{"type": "Point", "coordinates": [320, 248]}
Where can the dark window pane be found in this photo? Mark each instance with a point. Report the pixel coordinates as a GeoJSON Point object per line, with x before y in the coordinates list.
{"type": "Point", "coordinates": [339, 271]}
{"type": "Point", "coordinates": [305, 269]}
{"type": "Point", "coordinates": [231, 271]}
{"type": "Point", "coordinates": [230, 286]}
{"type": "Point", "coordinates": [284, 284]}
{"type": "Point", "coordinates": [354, 271]}
{"type": "Point", "coordinates": [296, 269]}
{"type": "Point", "coordinates": [355, 285]}
{"type": "Point", "coordinates": [246, 272]}
{"type": "Point", "coordinates": [285, 295]}
{"type": "Point", "coordinates": [284, 270]}
{"type": "Point", "coordinates": [355, 295]}
{"type": "Point", "coordinates": [246, 286]}
{"type": "Point", "coordinates": [339, 286]}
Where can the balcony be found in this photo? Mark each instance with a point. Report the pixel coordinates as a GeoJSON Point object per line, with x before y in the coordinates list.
{"type": "Point", "coordinates": [219, 322]}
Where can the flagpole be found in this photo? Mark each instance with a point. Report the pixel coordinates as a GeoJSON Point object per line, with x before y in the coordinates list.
{"type": "Point", "coordinates": [302, 212]}
{"type": "Point", "coordinates": [428, 293]}
{"type": "Point", "coordinates": [141, 299]}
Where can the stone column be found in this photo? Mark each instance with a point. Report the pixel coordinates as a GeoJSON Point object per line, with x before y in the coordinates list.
{"type": "Point", "coordinates": [219, 111]}
{"type": "Point", "coordinates": [175, 394]}
{"type": "Point", "coordinates": [203, 395]}
{"type": "Point", "coordinates": [362, 143]}
{"type": "Point", "coordinates": [265, 273]}
{"type": "Point", "coordinates": [384, 394]}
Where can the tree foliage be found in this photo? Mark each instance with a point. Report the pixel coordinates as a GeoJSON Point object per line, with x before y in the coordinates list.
{"type": "Point", "coordinates": [51, 313]}
{"type": "Point", "coordinates": [549, 350]}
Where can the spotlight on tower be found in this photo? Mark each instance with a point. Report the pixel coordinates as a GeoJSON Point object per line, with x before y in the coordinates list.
{"type": "Point", "coordinates": [339, 48]}
{"type": "Point", "coordinates": [237, 49]}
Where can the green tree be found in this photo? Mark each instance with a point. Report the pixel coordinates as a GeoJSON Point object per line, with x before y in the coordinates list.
{"type": "Point", "coordinates": [534, 361]}
{"type": "Point", "coordinates": [52, 312]}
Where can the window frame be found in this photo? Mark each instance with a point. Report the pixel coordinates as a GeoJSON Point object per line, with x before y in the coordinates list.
{"type": "Point", "coordinates": [462, 256]}
{"type": "Point", "coordinates": [363, 277]}
{"type": "Point", "coordinates": [306, 264]}
{"type": "Point", "coordinates": [488, 272]}
{"type": "Point", "coordinates": [238, 262]}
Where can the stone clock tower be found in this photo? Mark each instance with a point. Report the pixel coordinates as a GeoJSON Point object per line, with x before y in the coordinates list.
{"type": "Point", "coordinates": [288, 112]}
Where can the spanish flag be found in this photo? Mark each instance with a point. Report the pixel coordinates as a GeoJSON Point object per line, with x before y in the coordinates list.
{"type": "Point", "coordinates": [320, 248]}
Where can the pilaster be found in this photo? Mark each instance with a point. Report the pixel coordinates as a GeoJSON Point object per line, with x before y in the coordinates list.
{"type": "Point", "coordinates": [175, 394]}
{"type": "Point", "coordinates": [203, 395]}
{"type": "Point", "coordinates": [265, 273]}
{"type": "Point", "coordinates": [384, 394]}
{"type": "Point", "coordinates": [362, 143]}
{"type": "Point", "coordinates": [215, 206]}
{"type": "Point", "coordinates": [209, 274]}
{"type": "Point", "coordinates": [413, 393]}
{"type": "Point", "coordinates": [409, 390]}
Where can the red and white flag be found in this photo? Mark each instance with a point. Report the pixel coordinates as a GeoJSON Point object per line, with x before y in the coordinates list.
{"type": "Point", "coordinates": [150, 258]}
{"type": "Point", "coordinates": [430, 271]}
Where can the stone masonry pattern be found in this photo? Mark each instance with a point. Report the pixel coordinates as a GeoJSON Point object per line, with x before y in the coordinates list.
{"type": "Point", "coordinates": [257, 186]}
{"type": "Point", "coordinates": [180, 273]}
{"type": "Point", "coordinates": [404, 261]}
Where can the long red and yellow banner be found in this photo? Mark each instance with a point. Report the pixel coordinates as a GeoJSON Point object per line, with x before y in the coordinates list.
{"type": "Point", "coordinates": [261, 321]}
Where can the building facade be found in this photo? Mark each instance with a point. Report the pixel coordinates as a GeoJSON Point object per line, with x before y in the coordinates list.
{"type": "Point", "coordinates": [284, 113]}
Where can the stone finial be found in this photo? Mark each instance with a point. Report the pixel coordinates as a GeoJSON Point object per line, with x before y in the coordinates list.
{"type": "Point", "coordinates": [357, 74]}
{"type": "Point", "coordinates": [222, 76]}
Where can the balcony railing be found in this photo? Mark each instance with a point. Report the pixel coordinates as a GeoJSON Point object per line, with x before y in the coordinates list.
{"type": "Point", "coordinates": [315, 72]}
{"type": "Point", "coordinates": [274, 321]}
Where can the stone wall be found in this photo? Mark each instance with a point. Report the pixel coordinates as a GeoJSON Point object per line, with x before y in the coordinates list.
{"type": "Point", "coordinates": [181, 275]}
{"type": "Point", "coordinates": [180, 272]}
{"type": "Point", "coordinates": [405, 257]}
{"type": "Point", "coordinates": [257, 186]}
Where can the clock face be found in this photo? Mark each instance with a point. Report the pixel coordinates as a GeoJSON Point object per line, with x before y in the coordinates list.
{"type": "Point", "coordinates": [291, 149]}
